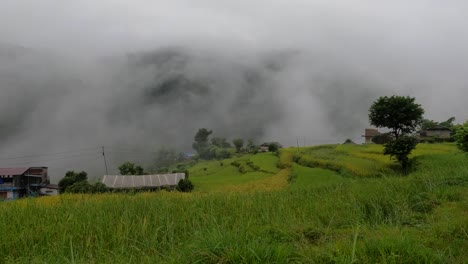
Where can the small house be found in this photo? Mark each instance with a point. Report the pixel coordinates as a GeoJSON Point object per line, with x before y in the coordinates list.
{"type": "Point", "coordinates": [265, 147]}
{"type": "Point", "coordinates": [23, 182]}
{"type": "Point", "coordinates": [143, 182]}
{"type": "Point", "coordinates": [370, 133]}
{"type": "Point", "coordinates": [436, 131]}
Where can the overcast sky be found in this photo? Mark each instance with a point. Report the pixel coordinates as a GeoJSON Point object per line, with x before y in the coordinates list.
{"type": "Point", "coordinates": [331, 60]}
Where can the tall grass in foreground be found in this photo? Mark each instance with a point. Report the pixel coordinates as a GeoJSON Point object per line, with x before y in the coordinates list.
{"type": "Point", "coordinates": [399, 222]}
{"type": "Point", "coordinates": [318, 218]}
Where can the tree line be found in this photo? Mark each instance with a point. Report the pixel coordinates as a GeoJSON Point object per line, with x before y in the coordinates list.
{"type": "Point", "coordinates": [403, 116]}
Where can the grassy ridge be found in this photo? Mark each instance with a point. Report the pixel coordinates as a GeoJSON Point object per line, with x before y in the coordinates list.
{"type": "Point", "coordinates": [318, 217]}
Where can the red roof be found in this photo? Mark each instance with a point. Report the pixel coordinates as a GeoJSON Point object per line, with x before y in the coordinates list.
{"type": "Point", "coordinates": [13, 171]}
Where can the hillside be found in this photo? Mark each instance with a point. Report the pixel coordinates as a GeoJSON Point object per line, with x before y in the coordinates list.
{"type": "Point", "coordinates": [324, 204]}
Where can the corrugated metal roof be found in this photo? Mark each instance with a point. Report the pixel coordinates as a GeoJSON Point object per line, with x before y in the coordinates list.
{"type": "Point", "coordinates": [141, 181]}
{"type": "Point", "coordinates": [13, 171]}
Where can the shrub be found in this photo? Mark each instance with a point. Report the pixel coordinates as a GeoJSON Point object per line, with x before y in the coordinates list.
{"type": "Point", "coordinates": [80, 187]}
{"type": "Point", "coordinates": [242, 169]}
{"type": "Point", "coordinates": [99, 187]}
{"type": "Point", "coordinates": [461, 137]}
{"type": "Point", "coordinates": [400, 149]}
{"type": "Point", "coordinates": [273, 147]}
{"type": "Point", "coordinates": [185, 185]}
{"type": "Point", "coordinates": [71, 177]}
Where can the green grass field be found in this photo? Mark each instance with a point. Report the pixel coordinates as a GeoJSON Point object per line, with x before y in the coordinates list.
{"type": "Point", "coordinates": [335, 204]}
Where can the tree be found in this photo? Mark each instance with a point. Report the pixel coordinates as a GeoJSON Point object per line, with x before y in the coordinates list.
{"type": "Point", "coordinates": [238, 144]}
{"type": "Point", "coordinates": [273, 146]}
{"type": "Point", "coordinates": [130, 168]}
{"type": "Point", "coordinates": [426, 124]}
{"type": "Point", "coordinates": [251, 147]}
{"type": "Point", "coordinates": [220, 142]}
{"type": "Point", "coordinates": [398, 113]}
{"type": "Point", "coordinates": [71, 177]}
{"type": "Point", "coordinates": [402, 116]}
{"type": "Point", "coordinates": [80, 187]}
{"type": "Point", "coordinates": [461, 137]}
{"type": "Point", "coordinates": [449, 123]}
{"type": "Point", "coordinates": [201, 139]}
{"type": "Point", "coordinates": [400, 149]}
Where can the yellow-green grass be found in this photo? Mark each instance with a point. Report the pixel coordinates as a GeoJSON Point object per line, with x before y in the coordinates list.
{"type": "Point", "coordinates": [266, 161]}
{"type": "Point", "coordinates": [215, 176]}
{"type": "Point", "coordinates": [320, 217]}
{"type": "Point", "coordinates": [361, 160]}
{"type": "Point", "coordinates": [306, 177]}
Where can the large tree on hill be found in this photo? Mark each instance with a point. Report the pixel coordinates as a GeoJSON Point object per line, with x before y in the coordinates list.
{"type": "Point", "coordinates": [201, 140]}
{"type": "Point", "coordinates": [238, 144]}
{"type": "Point", "coordinates": [402, 115]}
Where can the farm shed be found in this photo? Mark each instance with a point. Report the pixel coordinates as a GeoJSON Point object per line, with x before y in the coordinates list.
{"type": "Point", "coordinates": [23, 182]}
{"type": "Point", "coordinates": [436, 131]}
{"type": "Point", "coordinates": [150, 182]}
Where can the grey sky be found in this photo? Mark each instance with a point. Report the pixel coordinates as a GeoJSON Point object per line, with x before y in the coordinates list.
{"type": "Point", "coordinates": [277, 70]}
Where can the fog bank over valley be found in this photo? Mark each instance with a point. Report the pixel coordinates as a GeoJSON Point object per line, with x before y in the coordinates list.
{"type": "Point", "coordinates": [135, 76]}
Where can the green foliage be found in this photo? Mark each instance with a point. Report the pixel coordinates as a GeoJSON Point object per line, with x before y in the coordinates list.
{"type": "Point", "coordinates": [461, 137]}
{"type": "Point", "coordinates": [130, 168]}
{"type": "Point", "coordinates": [449, 123]}
{"type": "Point", "coordinates": [201, 139]}
{"type": "Point", "coordinates": [238, 144]}
{"type": "Point", "coordinates": [400, 149]}
{"type": "Point", "coordinates": [320, 217]}
{"type": "Point", "coordinates": [399, 113]}
{"type": "Point", "coordinates": [185, 185]}
{"type": "Point", "coordinates": [382, 139]}
{"type": "Point", "coordinates": [220, 142]}
{"type": "Point", "coordinates": [71, 177]}
{"type": "Point", "coordinates": [426, 124]}
{"type": "Point", "coordinates": [80, 187]}
{"type": "Point", "coordinates": [214, 152]}
{"type": "Point", "coordinates": [273, 147]}
{"type": "Point", "coordinates": [99, 187]}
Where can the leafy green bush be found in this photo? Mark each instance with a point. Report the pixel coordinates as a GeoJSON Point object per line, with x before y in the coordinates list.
{"type": "Point", "coordinates": [461, 137]}
{"type": "Point", "coordinates": [400, 149]}
{"type": "Point", "coordinates": [71, 177]}
{"type": "Point", "coordinates": [185, 185]}
{"type": "Point", "coordinates": [100, 187]}
{"type": "Point", "coordinates": [80, 187]}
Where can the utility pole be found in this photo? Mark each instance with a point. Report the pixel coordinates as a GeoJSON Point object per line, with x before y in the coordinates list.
{"type": "Point", "coordinates": [105, 162]}
{"type": "Point", "coordinates": [297, 141]}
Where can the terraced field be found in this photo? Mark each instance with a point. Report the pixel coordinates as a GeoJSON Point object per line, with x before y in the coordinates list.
{"type": "Point", "coordinates": [325, 204]}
